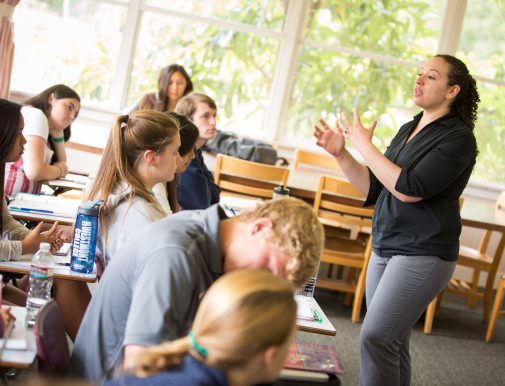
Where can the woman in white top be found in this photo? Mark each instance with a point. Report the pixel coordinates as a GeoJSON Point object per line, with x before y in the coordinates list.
{"type": "Point", "coordinates": [47, 118]}
{"type": "Point", "coordinates": [142, 151]}
{"type": "Point", "coordinates": [16, 239]}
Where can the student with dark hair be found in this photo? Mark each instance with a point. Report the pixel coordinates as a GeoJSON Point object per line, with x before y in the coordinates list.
{"type": "Point", "coordinates": [173, 83]}
{"type": "Point", "coordinates": [17, 240]}
{"type": "Point", "coordinates": [167, 193]}
{"type": "Point", "coordinates": [196, 188]}
{"type": "Point", "coordinates": [415, 186]}
{"type": "Point", "coordinates": [47, 117]}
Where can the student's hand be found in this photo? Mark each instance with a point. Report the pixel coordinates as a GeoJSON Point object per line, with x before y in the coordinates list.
{"type": "Point", "coordinates": [31, 243]}
{"type": "Point", "coordinates": [54, 237]}
{"type": "Point", "coordinates": [331, 141]}
{"type": "Point", "coordinates": [355, 131]}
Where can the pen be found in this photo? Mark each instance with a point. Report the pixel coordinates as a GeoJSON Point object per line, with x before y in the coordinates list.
{"type": "Point", "coordinates": [31, 210]}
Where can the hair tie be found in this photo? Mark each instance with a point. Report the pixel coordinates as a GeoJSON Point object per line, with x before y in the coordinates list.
{"type": "Point", "coordinates": [124, 121]}
{"type": "Point", "coordinates": [126, 118]}
{"type": "Point", "coordinates": [196, 346]}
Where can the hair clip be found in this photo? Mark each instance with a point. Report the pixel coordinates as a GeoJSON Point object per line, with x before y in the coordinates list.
{"type": "Point", "coordinates": [196, 346]}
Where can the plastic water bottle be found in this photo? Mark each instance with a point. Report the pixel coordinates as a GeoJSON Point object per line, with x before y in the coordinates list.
{"type": "Point", "coordinates": [280, 191]}
{"type": "Point", "coordinates": [41, 281]}
{"type": "Point", "coordinates": [84, 241]}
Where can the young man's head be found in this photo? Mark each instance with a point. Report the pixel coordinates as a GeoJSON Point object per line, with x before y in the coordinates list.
{"type": "Point", "coordinates": [282, 235]}
{"type": "Point", "coordinates": [202, 110]}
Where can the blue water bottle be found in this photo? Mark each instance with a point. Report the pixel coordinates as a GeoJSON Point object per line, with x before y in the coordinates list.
{"type": "Point", "coordinates": [85, 232]}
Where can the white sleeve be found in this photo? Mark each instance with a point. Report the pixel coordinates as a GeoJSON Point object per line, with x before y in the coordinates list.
{"type": "Point", "coordinates": [35, 122]}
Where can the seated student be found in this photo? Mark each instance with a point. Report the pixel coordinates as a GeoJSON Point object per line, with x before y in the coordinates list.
{"type": "Point", "coordinates": [15, 239]}
{"type": "Point", "coordinates": [150, 291]}
{"type": "Point", "coordinates": [240, 336]}
{"type": "Point", "coordinates": [196, 188]}
{"type": "Point", "coordinates": [166, 193]}
{"type": "Point", "coordinates": [142, 151]}
{"type": "Point", "coordinates": [173, 83]}
{"type": "Point", "coordinates": [47, 118]}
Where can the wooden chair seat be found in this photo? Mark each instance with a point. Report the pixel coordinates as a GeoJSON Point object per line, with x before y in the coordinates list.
{"type": "Point", "coordinates": [480, 259]}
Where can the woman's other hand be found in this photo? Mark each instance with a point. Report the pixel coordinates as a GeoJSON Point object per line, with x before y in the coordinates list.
{"type": "Point", "coordinates": [333, 141]}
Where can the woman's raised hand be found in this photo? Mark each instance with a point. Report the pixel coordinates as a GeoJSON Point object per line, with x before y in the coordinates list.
{"type": "Point", "coordinates": [332, 141]}
{"type": "Point", "coordinates": [355, 131]}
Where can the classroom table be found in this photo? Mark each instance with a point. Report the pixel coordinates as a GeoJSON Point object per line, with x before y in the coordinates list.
{"type": "Point", "coordinates": [19, 349]}
{"type": "Point", "coordinates": [60, 271]}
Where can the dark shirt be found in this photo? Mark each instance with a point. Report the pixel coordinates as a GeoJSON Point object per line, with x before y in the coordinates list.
{"type": "Point", "coordinates": [190, 373]}
{"type": "Point", "coordinates": [196, 188]}
{"type": "Point", "coordinates": [436, 166]}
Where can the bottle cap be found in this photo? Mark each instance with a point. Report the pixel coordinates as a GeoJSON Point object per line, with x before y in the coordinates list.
{"type": "Point", "coordinates": [90, 208]}
{"type": "Point", "coordinates": [281, 191]}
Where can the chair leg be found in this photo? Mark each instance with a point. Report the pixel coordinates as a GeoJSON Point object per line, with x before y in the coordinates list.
{"type": "Point", "coordinates": [358, 297]}
{"type": "Point", "coordinates": [429, 315]}
{"type": "Point", "coordinates": [496, 310]}
{"type": "Point", "coordinates": [472, 301]}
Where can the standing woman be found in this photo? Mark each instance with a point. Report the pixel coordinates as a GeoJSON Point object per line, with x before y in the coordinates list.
{"type": "Point", "coordinates": [47, 118]}
{"type": "Point", "coordinates": [15, 239]}
{"type": "Point", "coordinates": [142, 151]}
{"type": "Point", "coordinates": [173, 83]}
{"type": "Point", "coordinates": [415, 187]}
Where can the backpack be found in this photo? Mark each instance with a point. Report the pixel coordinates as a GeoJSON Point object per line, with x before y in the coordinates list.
{"type": "Point", "coordinates": [244, 148]}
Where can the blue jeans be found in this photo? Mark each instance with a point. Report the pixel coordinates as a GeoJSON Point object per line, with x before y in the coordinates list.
{"type": "Point", "coordinates": [398, 290]}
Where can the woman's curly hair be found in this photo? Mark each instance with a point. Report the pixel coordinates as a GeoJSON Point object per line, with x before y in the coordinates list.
{"type": "Point", "coordinates": [467, 101]}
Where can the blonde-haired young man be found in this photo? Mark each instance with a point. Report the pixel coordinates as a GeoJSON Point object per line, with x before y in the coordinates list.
{"type": "Point", "coordinates": [150, 292]}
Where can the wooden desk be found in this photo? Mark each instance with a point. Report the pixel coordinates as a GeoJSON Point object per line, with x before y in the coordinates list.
{"type": "Point", "coordinates": [60, 271]}
{"type": "Point", "coordinates": [20, 349]}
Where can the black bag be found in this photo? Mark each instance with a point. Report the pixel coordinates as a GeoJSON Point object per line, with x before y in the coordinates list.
{"type": "Point", "coordinates": [244, 148]}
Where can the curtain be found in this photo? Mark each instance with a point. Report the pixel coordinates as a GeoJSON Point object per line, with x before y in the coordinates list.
{"type": "Point", "coordinates": [6, 45]}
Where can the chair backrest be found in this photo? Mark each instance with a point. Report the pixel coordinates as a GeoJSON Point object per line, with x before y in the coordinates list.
{"type": "Point", "coordinates": [53, 353]}
{"type": "Point", "coordinates": [337, 195]}
{"type": "Point", "coordinates": [246, 177]}
{"type": "Point", "coordinates": [316, 159]}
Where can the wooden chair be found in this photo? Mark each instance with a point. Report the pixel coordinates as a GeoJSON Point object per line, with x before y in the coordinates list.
{"type": "Point", "coordinates": [246, 177]}
{"type": "Point", "coordinates": [316, 159]}
{"type": "Point", "coordinates": [352, 251]}
{"type": "Point", "coordinates": [480, 259]}
{"type": "Point", "coordinates": [495, 313]}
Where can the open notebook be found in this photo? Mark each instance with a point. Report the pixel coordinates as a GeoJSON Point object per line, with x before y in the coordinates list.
{"type": "Point", "coordinates": [41, 204]}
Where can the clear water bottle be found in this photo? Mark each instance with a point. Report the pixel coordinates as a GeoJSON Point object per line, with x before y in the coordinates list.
{"type": "Point", "coordinates": [85, 233]}
{"type": "Point", "coordinates": [280, 191]}
{"type": "Point", "coordinates": [41, 281]}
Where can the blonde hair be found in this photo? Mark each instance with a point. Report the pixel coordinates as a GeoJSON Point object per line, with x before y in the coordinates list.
{"type": "Point", "coordinates": [130, 136]}
{"type": "Point", "coordinates": [242, 314]}
{"type": "Point", "coordinates": [296, 231]}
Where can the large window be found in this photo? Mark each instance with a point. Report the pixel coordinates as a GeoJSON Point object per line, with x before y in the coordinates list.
{"type": "Point", "coordinates": [274, 67]}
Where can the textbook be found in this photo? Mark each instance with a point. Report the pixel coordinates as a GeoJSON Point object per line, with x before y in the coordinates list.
{"type": "Point", "coordinates": [311, 362]}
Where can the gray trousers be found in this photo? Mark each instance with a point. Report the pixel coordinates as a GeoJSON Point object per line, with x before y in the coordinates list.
{"type": "Point", "coordinates": [398, 290]}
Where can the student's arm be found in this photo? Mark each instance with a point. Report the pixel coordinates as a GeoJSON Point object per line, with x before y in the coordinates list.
{"type": "Point", "coordinates": [34, 161]}
{"type": "Point", "coordinates": [59, 147]}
